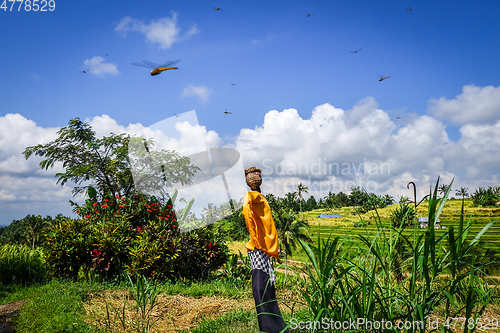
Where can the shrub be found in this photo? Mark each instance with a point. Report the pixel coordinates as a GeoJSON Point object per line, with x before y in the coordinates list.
{"type": "Point", "coordinates": [69, 246]}
{"type": "Point", "coordinates": [486, 196]}
{"type": "Point", "coordinates": [404, 215]}
{"type": "Point", "coordinates": [112, 239]}
{"type": "Point", "coordinates": [236, 269]}
{"type": "Point", "coordinates": [20, 264]}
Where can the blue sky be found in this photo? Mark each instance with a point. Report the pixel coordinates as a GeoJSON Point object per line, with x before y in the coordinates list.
{"type": "Point", "coordinates": [442, 59]}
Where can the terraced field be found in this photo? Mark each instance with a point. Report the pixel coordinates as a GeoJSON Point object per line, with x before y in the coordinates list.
{"type": "Point", "coordinates": [344, 226]}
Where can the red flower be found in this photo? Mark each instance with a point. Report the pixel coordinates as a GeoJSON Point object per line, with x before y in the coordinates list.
{"type": "Point", "coordinates": [209, 244]}
{"type": "Point", "coordinates": [118, 197]}
{"type": "Point", "coordinates": [121, 206]}
{"type": "Point", "coordinates": [104, 206]}
{"type": "Point", "coordinates": [89, 216]}
{"type": "Point", "coordinates": [141, 199]}
{"type": "Point", "coordinates": [106, 200]}
{"type": "Point", "coordinates": [78, 211]}
{"type": "Point", "coordinates": [169, 206]}
{"type": "Point", "coordinates": [173, 225]}
{"type": "Point", "coordinates": [95, 204]}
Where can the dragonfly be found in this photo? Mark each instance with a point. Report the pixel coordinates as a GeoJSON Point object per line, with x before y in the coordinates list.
{"type": "Point", "coordinates": [227, 112]}
{"type": "Point", "coordinates": [409, 9]}
{"type": "Point", "coordinates": [356, 51]}
{"type": "Point", "coordinates": [217, 8]}
{"type": "Point", "coordinates": [309, 14]}
{"type": "Point", "coordinates": [157, 68]}
{"type": "Point", "coordinates": [382, 78]}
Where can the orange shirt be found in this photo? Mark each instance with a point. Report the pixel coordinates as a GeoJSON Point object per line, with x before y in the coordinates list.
{"type": "Point", "coordinates": [260, 224]}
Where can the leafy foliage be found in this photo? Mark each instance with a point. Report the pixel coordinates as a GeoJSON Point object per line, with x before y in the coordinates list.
{"type": "Point", "coordinates": [237, 269]}
{"type": "Point", "coordinates": [404, 215]}
{"type": "Point", "coordinates": [486, 196]}
{"type": "Point", "coordinates": [136, 235]}
{"type": "Point", "coordinates": [443, 273]}
{"type": "Point", "coordinates": [106, 161]}
{"type": "Point", "coordinates": [22, 265]}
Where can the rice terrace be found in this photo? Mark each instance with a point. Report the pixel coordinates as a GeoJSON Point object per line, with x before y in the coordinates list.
{"type": "Point", "coordinates": [354, 262]}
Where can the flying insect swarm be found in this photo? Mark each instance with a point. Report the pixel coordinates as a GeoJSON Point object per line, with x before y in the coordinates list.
{"type": "Point", "coordinates": [356, 51]}
{"type": "Point", "coordinates": [382, 78]}
{"type": "Point", "coordinates": [157, 68]}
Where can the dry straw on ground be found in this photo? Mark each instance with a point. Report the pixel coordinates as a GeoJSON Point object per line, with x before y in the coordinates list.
{"type": "Point", "coordinates": [173, 313]}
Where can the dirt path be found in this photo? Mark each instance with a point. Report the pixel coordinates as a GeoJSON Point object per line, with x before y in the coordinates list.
{"type": "Point", "coordinates": [7, 314]}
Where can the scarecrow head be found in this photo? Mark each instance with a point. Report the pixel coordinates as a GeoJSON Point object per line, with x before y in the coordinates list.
{"type": "Point", "coordinates": [254, 178]}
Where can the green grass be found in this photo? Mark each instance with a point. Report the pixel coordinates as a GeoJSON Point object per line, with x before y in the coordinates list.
{"type": "Point", "coordinates": [234, 322]}
{"type": "Point", "coordinates": [55, 307]}
{"type": "Point", "coordinates": [208, 288]}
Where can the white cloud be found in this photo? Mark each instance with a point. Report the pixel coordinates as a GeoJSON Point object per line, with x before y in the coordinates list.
{"type": "Point", "coordinates": [163, 31]}
{"type": "Point", "coordinates": [201, 92]}
{"type": "Point", "coordinates": [332, 151]}
{"type": "Point", "coordinates": [97, 66]}
{"type": "Point", "coordinates": [473, 105]}
{"type": "Point", "coordinates": [337, 149]}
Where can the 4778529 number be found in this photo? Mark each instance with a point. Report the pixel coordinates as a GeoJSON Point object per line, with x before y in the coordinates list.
{"type": "Point", "coordinates": [28, 5]}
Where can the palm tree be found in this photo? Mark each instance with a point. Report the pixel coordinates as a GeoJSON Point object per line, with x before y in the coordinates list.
{"type": "Point", "coordinates": [210, 212]}
{"type": "Point", "coordinates": [33, 227]}
{"type": "Point", "coordinates": [462, 192]}
{"type": "Point", "coordinates": [298, 194]}
{"type": "Point", "coordinates": [443, 188]}
{"type": "Point", "coordinates": [290, 231]}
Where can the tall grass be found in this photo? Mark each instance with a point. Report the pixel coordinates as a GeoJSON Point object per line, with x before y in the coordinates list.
{"type": "Point", "coordinates": [22, 265]}
{"type": "Point", "coordinates": [397, 278]}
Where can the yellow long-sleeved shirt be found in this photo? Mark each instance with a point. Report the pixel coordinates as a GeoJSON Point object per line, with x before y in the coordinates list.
{"type": "Point", "coordinates": [260, 224]}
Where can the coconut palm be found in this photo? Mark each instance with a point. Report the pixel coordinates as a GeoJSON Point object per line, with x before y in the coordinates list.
{"type": "Point", "coordinates": [443, 188]}
{"type": "Point", "coordinates": [298, 195]}
{"type": "Point", "coordinates": [290, 230]}
{"type": "Point", "coordinates": [33, 227]}
{"type": "Point", "coordinates": [210, 212]}
{"type": "Point", "coordinates": [462, 192]}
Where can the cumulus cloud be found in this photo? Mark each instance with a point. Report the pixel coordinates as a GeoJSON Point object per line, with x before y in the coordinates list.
{"type": "Point", "coordinates": [163, 31]}
{"type": "Point", "coordinates": [331, 151]}
{"type": "Point", "coordinates": [473, 105]}
{"type": "Point", "coordinates": [336, 149]}
{"type": "Point", "coordinates": [201, 92]}
{"type": "Point", "coordinates": [97, 66]}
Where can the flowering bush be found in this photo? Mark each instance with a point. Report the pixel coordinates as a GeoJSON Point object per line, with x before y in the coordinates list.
{"type": "Point", "coordinates": [138, 210]}
{"type": "Point", "coordinates": [136, 235]}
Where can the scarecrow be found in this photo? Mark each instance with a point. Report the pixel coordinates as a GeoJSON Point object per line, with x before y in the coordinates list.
{"type": "Point", "coordinates": [262, 245]}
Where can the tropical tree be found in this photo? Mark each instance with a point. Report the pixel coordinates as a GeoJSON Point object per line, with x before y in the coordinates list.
{"type": "Point", "coordinates": [462, 192]}
{"type": "Point", "coordinates": [33, 228]}
{"type": "Point", "coordinates": [443, 188]}
{"type": "Point", "coordinates": [290, 231]}
{"type": "Point", "coordinates": [106, 162]}
{"type": "Point", "coordinates": [210, 212]}
{"type": "Point", "coordinates": [298, 195]}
